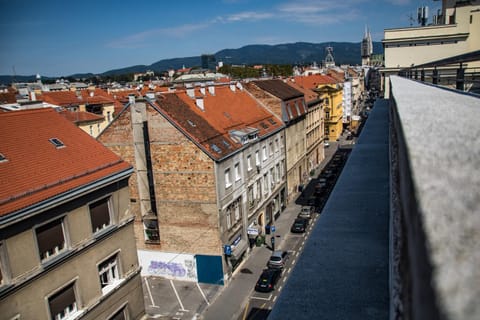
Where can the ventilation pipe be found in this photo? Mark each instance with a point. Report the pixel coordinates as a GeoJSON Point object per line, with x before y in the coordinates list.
{"type": "Point", "coordinates": [143, 166]}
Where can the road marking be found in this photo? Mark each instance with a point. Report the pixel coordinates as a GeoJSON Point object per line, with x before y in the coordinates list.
{"type": "Point", "coordinates": [203, 295]}
{"type": "Point", "coordinates": [260, 298]}
{"type": "Point", "coordinates": [294, 260]}
{"type": "Point", "coordinates": [149, 292]}
{"type": "Point", "coordinates": [274, 298]}
{"type": "Point", "coordinates": [245, 311]}
{"type": "Point", "coordinates": [279, 289]}
{"type": "Point", "coordinates": [178, 297]}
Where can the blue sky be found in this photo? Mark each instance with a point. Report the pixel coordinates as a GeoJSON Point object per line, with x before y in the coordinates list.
{"type": "Point", "coordinates": [60, 38]}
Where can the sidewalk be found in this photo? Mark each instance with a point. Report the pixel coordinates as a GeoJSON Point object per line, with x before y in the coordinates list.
{"type": "Point", "coordinates": [230, 301]}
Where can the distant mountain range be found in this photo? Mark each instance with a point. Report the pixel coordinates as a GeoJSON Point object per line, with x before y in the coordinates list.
{"type": "Point", "coordinates": [289, 53]}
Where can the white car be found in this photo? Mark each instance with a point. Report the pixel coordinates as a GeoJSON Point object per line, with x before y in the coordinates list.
{"type": "Point", "coordinates": [326, 144]}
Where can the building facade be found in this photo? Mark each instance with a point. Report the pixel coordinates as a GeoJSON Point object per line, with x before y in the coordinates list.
{"type": "Point", "coordinates": [209, 178]}
{"type": "Point", "coordinates": [67, 246]}
{"type": "Point", "coordinates": [288, 104]}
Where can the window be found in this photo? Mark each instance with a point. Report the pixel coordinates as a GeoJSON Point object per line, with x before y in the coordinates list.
{"type": "Point", "coordinates": [109, 116]}
{"type": "Point", "coordinates": [228, 217]}
{"type": "Point", "coordinates": [63, 304]}
{"type": "Point", "coordinates": [237, 210]}
{"type": "Point", "coordinates": [120, 314]}
{"type": "Point", "coordinates": [264, 153]}
{"type": "Point", "coordinates": [270, 148]}
{"type": "Point", "coordinates": [238, 176]}
{"type": "Point", "coordinates": [251, 197]}
{"type": "Point", "coordinates": [228, 181]}
{"type": "Point", "coordinates": [50, 239]}
{"type": "Point", "coordinates": [57, 143]}
{"type": "Point", "coordinates": [272, 178]}
{"type": "Point", "coordinates": [277, 173]}
{"type": "Point", "coordinates": [100, 214]}
{"type": "Point", "coordinates": [259, 190]}
{"type": "Point", "coordinates": [265, 184]}
{"type": "Point", "coordinates": [249, 162]}
{"type": "Point", "coordinates": [276, 145]}
{"type": "Point", "coordinates": [3, 280]}
{"type": "Point", "coordinates": [98, 128]}
{"type": "Point", "coordinates": [257, 158]}
{"type": "Point", "coordinates": [91, 130]}
{"type": "Point", "coordinates": [108, 274]}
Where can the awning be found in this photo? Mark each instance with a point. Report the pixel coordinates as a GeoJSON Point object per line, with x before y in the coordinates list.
{"type": "Point", "coordinates": [239, 249]}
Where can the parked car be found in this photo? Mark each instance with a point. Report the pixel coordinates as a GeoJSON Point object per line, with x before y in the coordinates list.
{"type": "Point", "coordinates": [267, 280]}
{"type": "Point", "coordinates": [277, 260]}
{"type": "Point", "coordinates": [305, 212]}
{"type": "Point", "coordinates": [326, 144]}
{"type": "Point", "coordinates": [299, 225]}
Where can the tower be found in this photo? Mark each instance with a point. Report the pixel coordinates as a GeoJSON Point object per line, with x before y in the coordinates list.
{"type": "Point", "coordinates": [366, 48]}
{"type": "Point", "coordinates": [329, 61]}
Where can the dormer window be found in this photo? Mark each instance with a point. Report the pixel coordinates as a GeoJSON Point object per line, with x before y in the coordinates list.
{"type": "Point", "coordinates": [57, 143]}
{"type": "Point", "coordinates": [3, 158]}
{"type": "Point", "coordinates": [216, 148]}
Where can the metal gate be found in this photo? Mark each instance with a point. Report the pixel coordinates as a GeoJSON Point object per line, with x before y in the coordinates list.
{"type": "Point", "coordinates": [209, 269]}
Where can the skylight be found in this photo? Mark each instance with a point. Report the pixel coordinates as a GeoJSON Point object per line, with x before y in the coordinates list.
{"type": "Point", "coordinates": [3, 158]}
{"type": "Point", "coordinates": [56, 142]}
{"type": "Point", "coordinates": [226, 144]}
{"type": "Point", "coordinates": [216, 148]}
{"type": "Point", "coordinates": [190, 122]}
{"type": "Point", "coordinates": [272, 121]}
{"type": "Point", "coordinates": [263, 125]}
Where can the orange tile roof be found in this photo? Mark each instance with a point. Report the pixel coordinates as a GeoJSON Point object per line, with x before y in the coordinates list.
{"type": "Point", "coordinates": [224, 111]}
{"type": "Point", "coordinates": [309, 94]}
{"type": "Point", "coordinates": [339, 76]}
{"type": "Point", "coordinates": [68, 98]}
{"type": "Point", "coordinates": [313, 81]}
{"type": "Point", "coordinates": [36, 170]}
{"type": "Point", "coordinates": [80, 116]}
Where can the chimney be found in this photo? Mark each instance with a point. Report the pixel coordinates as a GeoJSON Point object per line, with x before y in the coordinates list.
{"type": "Point", "coordinates": [191, 92]}
{"type": "Point", "coordinates": [239, 86]}
{"type": "Point", "coordinates": [131, 98]}
{"type": "Point", "coordinates": [92, 93]}
{"type": "Point", "coordinates": [199, 103]}
{"type": "Point", "coordinates": [33, 96]}
{"type": "Point", "coordinates": [232, 87]}
{"type": "Point", "coordinates": [202, 90]}
{"type": "Point", "coordinates": [211, 89]}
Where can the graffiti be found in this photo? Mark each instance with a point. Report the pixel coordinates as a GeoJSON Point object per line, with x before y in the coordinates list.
{"type": "Point", "coordinates": [172, 269]}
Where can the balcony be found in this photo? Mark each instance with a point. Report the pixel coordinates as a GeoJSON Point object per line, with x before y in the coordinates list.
{"type": "Point", "coordinates": [398, 237]}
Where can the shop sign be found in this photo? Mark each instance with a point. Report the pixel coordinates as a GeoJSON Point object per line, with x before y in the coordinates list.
{"type": "Point", "coordinates": [252, 231]}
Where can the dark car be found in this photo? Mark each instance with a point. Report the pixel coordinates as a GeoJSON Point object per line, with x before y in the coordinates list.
{"type": "Point", "coordinates": [267, 280]}
{"type": "Point", "coordinates": [299, 225]}
{"type": "Point", "coordinates": [277, 260]}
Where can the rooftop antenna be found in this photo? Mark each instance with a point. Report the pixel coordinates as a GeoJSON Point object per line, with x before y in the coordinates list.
{"type": "Point", "coordinates": [411, 19]}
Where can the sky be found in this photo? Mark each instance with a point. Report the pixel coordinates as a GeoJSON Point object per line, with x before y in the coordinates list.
{"type": "Point", "coordinates": [60, 37]}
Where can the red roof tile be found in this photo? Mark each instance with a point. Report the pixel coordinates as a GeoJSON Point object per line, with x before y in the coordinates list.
{"type": "Point", "coordinates": [68, 98]}
{"type": "Point", "coordinates": [36, 170]}
{"type": "Point", "coordinates": [313, 81]}
{"type": "Point", "coordinates": [80, 116]}
{"type": "Point", "coordinates": [224, 111]}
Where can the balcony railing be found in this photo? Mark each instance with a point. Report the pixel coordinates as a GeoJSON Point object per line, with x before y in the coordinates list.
{"type": "Point", "coordinates": [455, 72]}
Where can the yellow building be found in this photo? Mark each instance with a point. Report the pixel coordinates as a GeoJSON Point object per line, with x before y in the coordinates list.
{"type": "Point", "coordinates": [456, 32]}
{"type": "Point", "coordinates": [331, 93]}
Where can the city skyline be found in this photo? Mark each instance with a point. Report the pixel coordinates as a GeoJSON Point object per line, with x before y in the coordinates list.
{"type": "Point", "coordinates": [56, 38]}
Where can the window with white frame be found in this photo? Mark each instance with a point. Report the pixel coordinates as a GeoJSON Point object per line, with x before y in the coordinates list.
{"type": "Point", "coordinates": [108, 273]}
{"type": "Point", "coordinates": [63, 304]}
{"type": "Point", "coordinates": [251, 197]}
{"type": "Point", "coordinates": [276, 145]}
{"type": "Point", "coordinates": [272, 178]}
{"type": "Point", "coordinates": [228, 180]}
{"type": "Point", "coordinates": [228, 217]}
{"type": "Point", "coordinates": [249, 163]}
{"type": "Point", "coordinates": [238, 176]}
{"type": "Point", "coordinates": [257, 158]}
{"type": "Point", "coordinates": [270, 146]}
{"type": "Point", "coordinates": [277, 173]}
{"type": "Point", "coordinates": [264, 153]}
{"type": "Point", "coordinates": [265, 184]}
{"type": "Point", "coordinates": [50, 239]}
{"type": "Point", "coordinates": [100, 215]}
{"type": "Point", "coordinates": [237, 210]}
{"type": "Point", "coordinates": [259, 189]}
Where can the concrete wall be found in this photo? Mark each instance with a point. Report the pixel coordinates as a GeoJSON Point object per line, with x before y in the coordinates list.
{"type": "Point", "coordinates": [436, 201]}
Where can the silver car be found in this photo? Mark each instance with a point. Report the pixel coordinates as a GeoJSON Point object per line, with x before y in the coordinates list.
{"type": "Point", "coordinates": [277, 260]}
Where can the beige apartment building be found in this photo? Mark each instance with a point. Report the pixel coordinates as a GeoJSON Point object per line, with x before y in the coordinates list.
{"type": "Point", "coordinates": [457, 32]}
{"type": "Point", "coordinates": [67, 248]}
{"type": "Point", "coordinates": [288, 104]}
